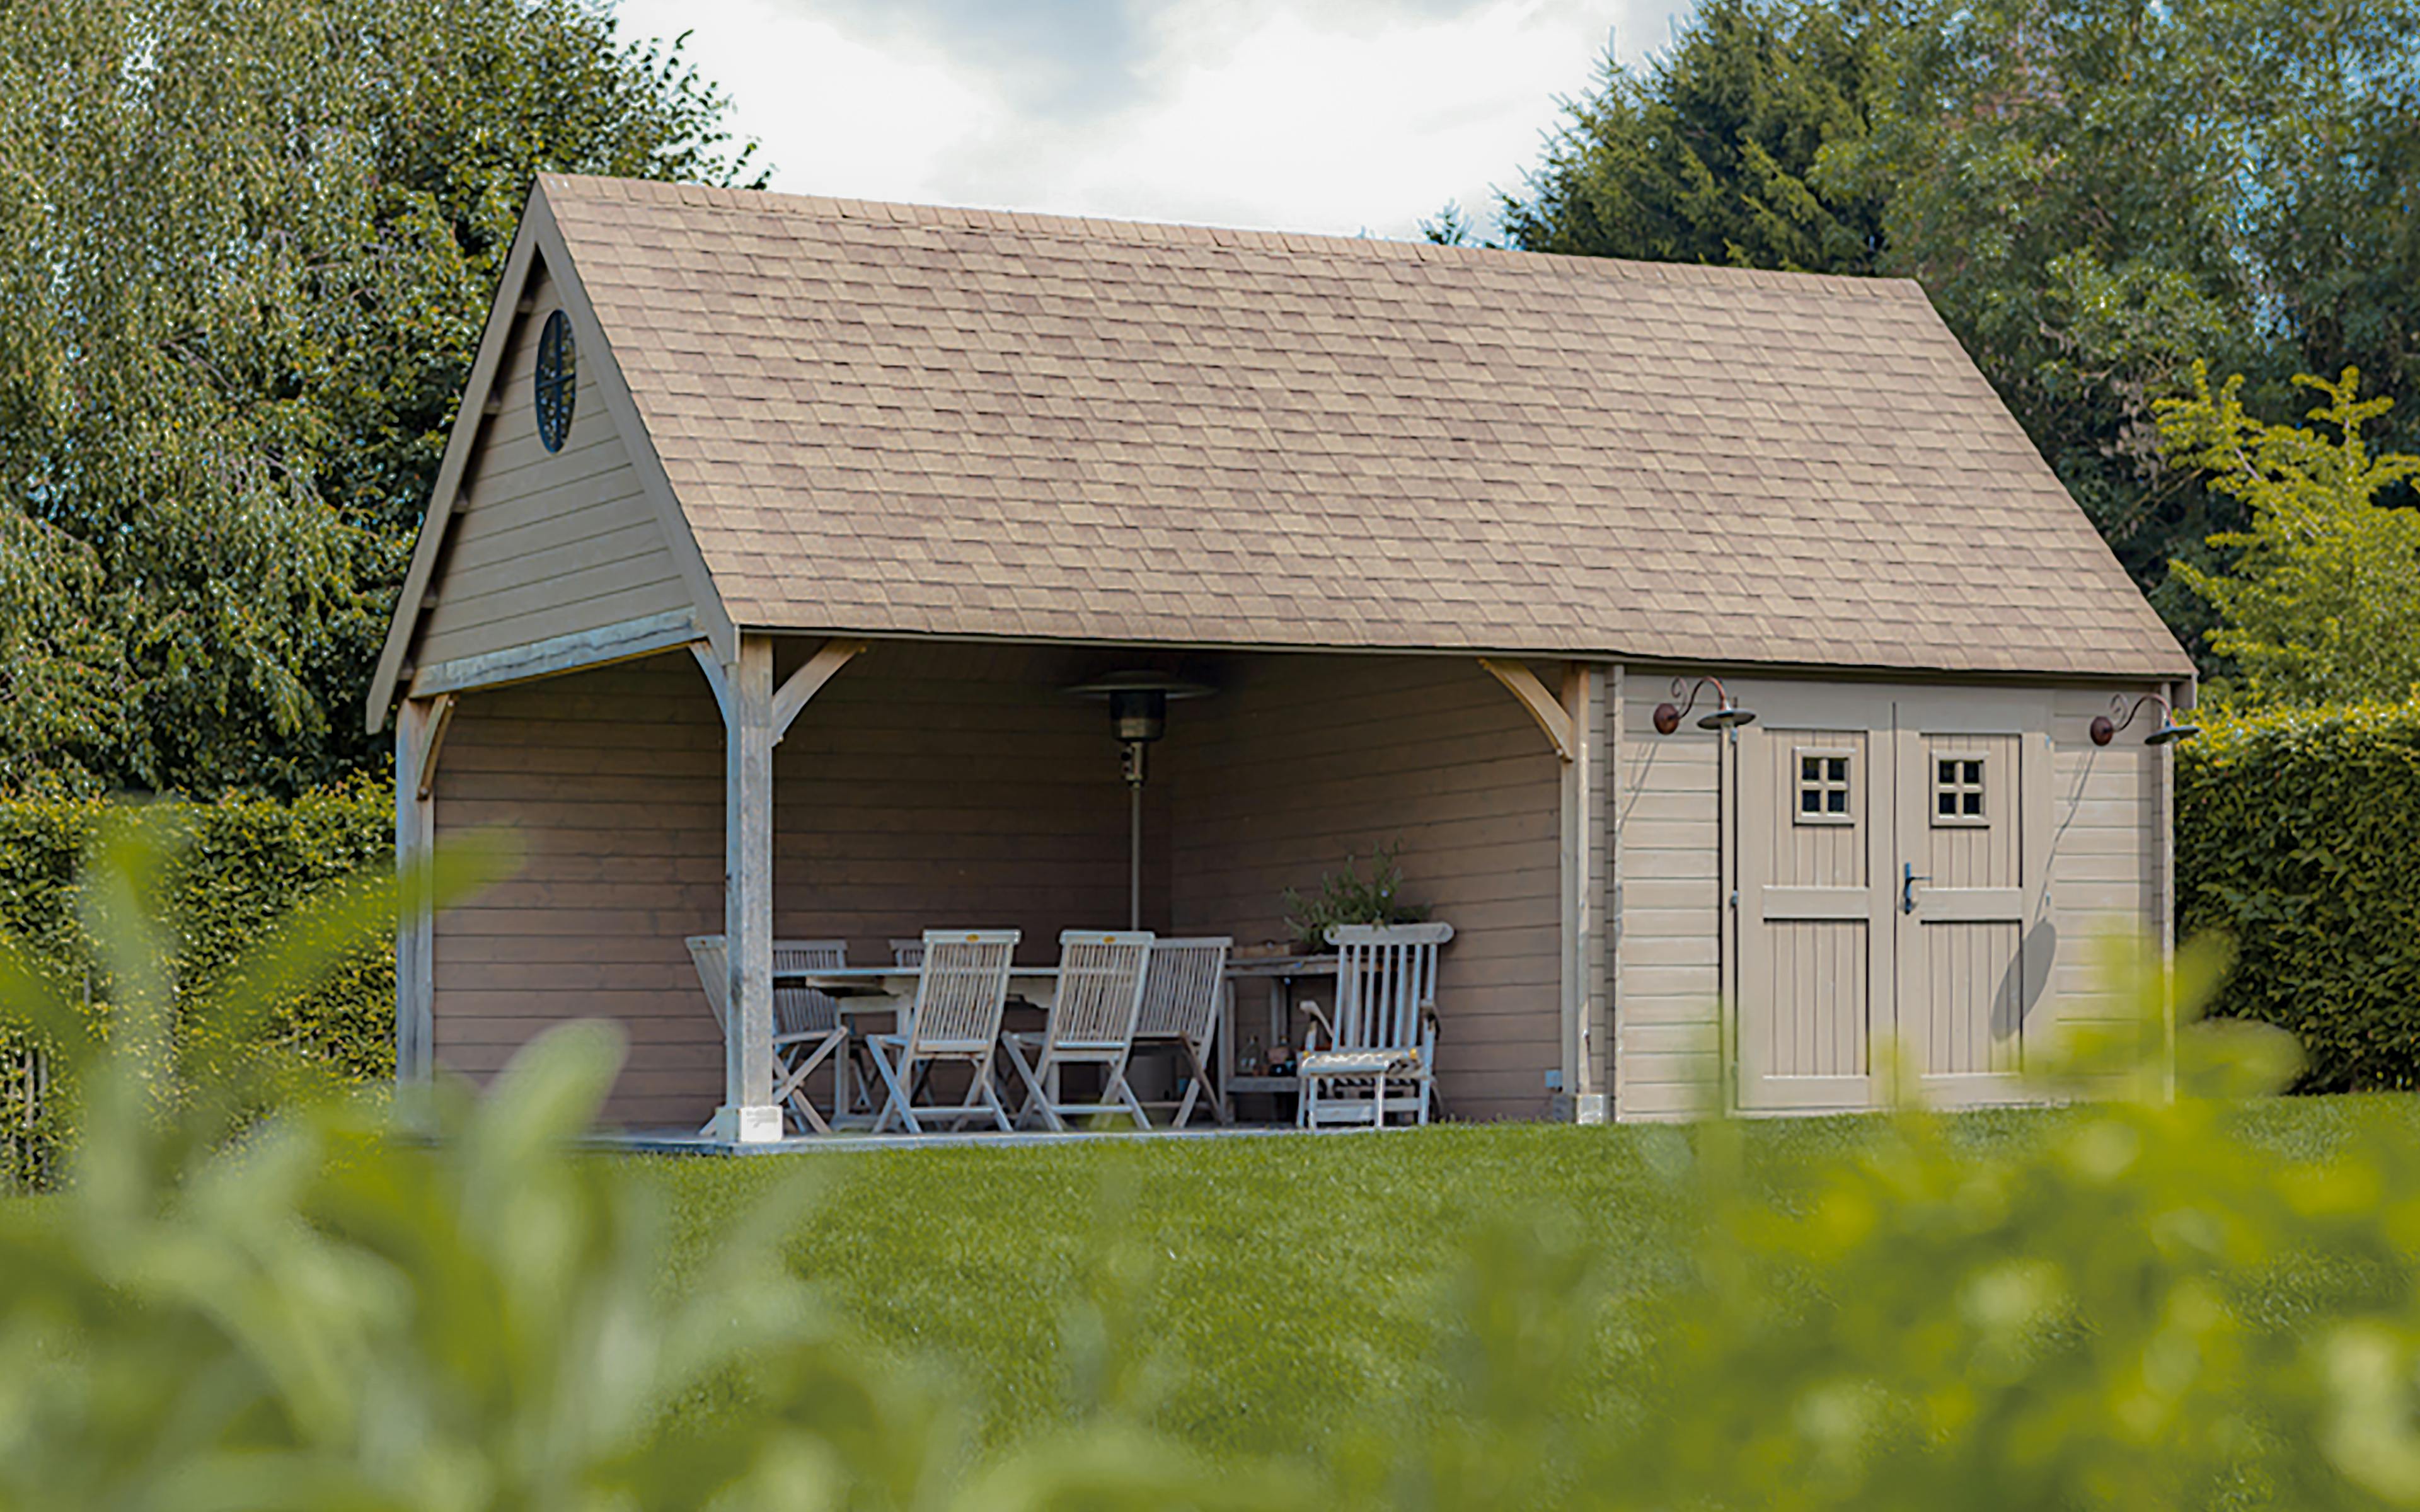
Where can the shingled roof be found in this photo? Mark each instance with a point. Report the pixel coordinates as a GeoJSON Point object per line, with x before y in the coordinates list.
{"type": "Point", "coordinates": [896, 420]}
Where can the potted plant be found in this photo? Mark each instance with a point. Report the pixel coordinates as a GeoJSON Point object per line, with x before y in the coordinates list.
{"type": "Point", "coordinates": [1348, 897]}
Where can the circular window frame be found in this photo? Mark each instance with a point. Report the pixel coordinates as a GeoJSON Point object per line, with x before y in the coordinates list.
{"type": "Point", "coordinates": [556, 386]}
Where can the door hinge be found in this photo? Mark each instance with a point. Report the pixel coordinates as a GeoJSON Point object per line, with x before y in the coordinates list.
{"type": "Point", "coordinates": [1735, 900]}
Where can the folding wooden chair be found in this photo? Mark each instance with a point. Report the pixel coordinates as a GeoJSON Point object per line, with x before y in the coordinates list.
{"type": "Point", "coordinates": [1182, 990]}
{"type": "Point", "coordinates": [807, 1030]}
{"type": "Point", "coordinates": [1092, 1023]}
{"type": "Point", "coordinates": [806, 1022]}
{"type": "Point", "coordinates": [1385, 1027]}
{"type": "Point", "coordinates": [960, 995]}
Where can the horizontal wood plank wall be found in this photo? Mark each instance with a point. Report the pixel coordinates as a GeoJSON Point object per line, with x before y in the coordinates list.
{"type": "Point", "coordinates": [612, 782]}
{"type": "Point", "coordinates": [1299, 759]}
{"type": "Point", "coordinates": [936, 786]}
{"type": "Point", "coordinates": [549, 544]}
{"type": "Point", "coordinates": [1668, 1061]}
{"type": "Point", "coordinates": [2105, 826]}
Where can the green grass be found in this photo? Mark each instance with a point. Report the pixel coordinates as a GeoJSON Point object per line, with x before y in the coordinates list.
{"type": "Point", "coordinates": [1297, 1286]}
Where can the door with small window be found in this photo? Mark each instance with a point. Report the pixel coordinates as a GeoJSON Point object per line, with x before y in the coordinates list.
{"type": "Point", "coordinates": [1973, 862]}
{"type": "Point", "coordinates": [1815, 817]}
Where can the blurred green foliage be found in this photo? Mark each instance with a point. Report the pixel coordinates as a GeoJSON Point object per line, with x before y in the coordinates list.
{"type": "Point", "coordinates": [2298, 836]}
{"type": "Point", "coordinates": [259, 1292]}
{"type": "Point", "coordinates": [238, 866]}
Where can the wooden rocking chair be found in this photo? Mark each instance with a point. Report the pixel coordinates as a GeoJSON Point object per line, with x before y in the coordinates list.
{"type": "Point", "coordinates": [1384, 1028]}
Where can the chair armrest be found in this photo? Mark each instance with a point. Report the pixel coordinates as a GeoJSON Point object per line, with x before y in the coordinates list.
{"type": "Point", "coordinates": [1319, 1022]}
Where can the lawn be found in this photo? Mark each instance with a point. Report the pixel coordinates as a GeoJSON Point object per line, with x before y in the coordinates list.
{"type": "Point", "coordinates": [1295, 1285]}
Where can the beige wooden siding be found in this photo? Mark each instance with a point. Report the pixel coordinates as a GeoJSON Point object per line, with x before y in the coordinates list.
{"type": "Point", "coordinates": [936, 786]}
{"type": "Point", "coordinates": [2105, 832]}
{"type": "Point", "coordinates": [1669, 1013]}
{"type": "Point", "coordinates": [547, 544]}
{"type": "Point", "coordinates": [611, 783]}
{"type": "Point", "coordinates": [1300, 759]}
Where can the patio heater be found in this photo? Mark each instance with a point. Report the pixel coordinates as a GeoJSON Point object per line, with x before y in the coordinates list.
{"type": "Point", "coordinates": [1137, 715]}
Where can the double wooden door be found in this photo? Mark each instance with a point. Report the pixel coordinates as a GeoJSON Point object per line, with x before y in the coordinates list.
{"type": "Point", "coordinates": [1891, 856]}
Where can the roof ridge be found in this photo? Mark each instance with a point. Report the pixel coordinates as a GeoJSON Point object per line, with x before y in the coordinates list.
{"type": "Point", "coordinates": [1115, 229]}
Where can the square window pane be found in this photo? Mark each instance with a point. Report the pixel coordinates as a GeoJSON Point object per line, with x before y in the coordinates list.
{"type": "Point", "coordinates": [1839, 800]}
{"type": "Point", "coordinates": [1950, 803]}
{"type": "Point", "coordinates": [1948, 773]}
{"type": "Point", "coordinates": [1975, 774]}
{"type": "Point", "coordinates": [1809, 801]}
{"type": "Point", "coordinates": [1809, 768]}
{"type": "Point", "coordinates": [1838, 770]}
{"type": "Point", "coordinates": [1974, 803]}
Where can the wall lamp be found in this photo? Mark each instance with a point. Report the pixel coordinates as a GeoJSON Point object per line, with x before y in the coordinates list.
{"type": "Point", "coordinates": [2104, 727]}
{"type": "Point", "coordinates": [1724, 715]}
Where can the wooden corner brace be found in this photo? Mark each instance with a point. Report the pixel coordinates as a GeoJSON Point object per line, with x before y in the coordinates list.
{"type": "Point", "coordinates": [1543, 706]}
{"type": "Point", "coordinates": [793, 695]}
{"type": "Point", "coordinates": [424, 781]}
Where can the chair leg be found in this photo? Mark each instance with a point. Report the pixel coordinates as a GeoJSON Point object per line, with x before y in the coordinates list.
{"type": "Point", "coordinates": [990, 1094]}
{"type": "Point", "coordinates": [1037, 1098]}
{"type": "Point", "coordinates": [1115, 1074]}
{"type": "Point", "coordinates": [897, 1106]}
{"type": "Point", "coordinates": [792, 1087]}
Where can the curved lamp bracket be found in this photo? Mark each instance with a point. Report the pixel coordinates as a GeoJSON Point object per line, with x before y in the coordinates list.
{"type": "Point", "coordinates": [2121, 715]}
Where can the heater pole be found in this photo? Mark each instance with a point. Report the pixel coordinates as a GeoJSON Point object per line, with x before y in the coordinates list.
{"type": "Point", "coordinates": [1134, 775]}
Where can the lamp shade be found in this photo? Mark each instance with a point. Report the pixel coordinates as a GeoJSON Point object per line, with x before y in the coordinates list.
{"type": "Point", "coordinates": [1139, 701]}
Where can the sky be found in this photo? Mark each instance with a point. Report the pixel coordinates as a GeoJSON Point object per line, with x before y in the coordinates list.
{"type": "Point", "coordinates": [1337, 116]}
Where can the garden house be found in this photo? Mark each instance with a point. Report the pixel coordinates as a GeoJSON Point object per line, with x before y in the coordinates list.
{"type": "Point", "coordinates": [776, 534]}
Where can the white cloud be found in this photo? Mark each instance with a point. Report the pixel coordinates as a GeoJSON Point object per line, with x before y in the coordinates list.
{"type": "Point", "coordinates": [1343, 117]}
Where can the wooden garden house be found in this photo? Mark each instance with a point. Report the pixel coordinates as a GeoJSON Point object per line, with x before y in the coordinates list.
{"type": "Point", "coordinates": [774, 531]}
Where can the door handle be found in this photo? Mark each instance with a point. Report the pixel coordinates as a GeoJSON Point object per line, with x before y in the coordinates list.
{"type": "Point", "coordinates": [1908, 878]}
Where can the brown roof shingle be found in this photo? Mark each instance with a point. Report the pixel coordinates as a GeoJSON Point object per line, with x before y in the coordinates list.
{"type": "Point", "coordinates": [902, 420]}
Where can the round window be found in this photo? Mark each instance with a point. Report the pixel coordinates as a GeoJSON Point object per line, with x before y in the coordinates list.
{"type": "Point", "coordinates": [557, 374]}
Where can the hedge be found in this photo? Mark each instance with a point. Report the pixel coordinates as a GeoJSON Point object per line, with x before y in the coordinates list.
{"type": "Point", "coordinates": [246, 861]}
{"type": "Point", "coordinates": [2298, 834]}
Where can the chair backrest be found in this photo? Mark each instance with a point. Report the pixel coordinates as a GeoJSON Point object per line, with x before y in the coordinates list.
{"type": "Point", "coordinates": [1181, 989]}
{"type": "Point", "coordinates": [962, 990]}
{"type": "Point", "coordinates": [1100, 988]}
{"type": "Point", "coordinates": [713, 965]}
{"type": "Point", "coordinates": [804, 1009]}
{"type": "Point", "coordinates": [1386, 979]}
{"type": "Point", "coordinates": [908, 953]}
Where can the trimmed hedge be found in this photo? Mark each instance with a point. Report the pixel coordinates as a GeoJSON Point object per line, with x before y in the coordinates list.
{"type": "Point", "coordinates": [246, 863]}
{"type": "Point", "coordinates": [2298, 834]}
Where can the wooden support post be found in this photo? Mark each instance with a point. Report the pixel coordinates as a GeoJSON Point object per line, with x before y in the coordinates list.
{"type": "Point", "coordinates": [1583, 702]}
{"type": "Point", "coordinates": [416, 729]}
{"type": "Point", "coordinates": [749, 1114]}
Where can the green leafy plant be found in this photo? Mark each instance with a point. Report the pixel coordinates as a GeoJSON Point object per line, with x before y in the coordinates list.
{"type": "Point", "coordinates": [1347, 897]}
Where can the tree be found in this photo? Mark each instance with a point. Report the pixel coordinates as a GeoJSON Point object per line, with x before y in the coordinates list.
{"type": "Point", "coordinates": [2323, 601]}
{"type": "Point", "coordinates": [2096, 194]}
{"type": "Point", "coordinates": [250, 246]}
{"type": "Point", "coordinates": [1710, 155]}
